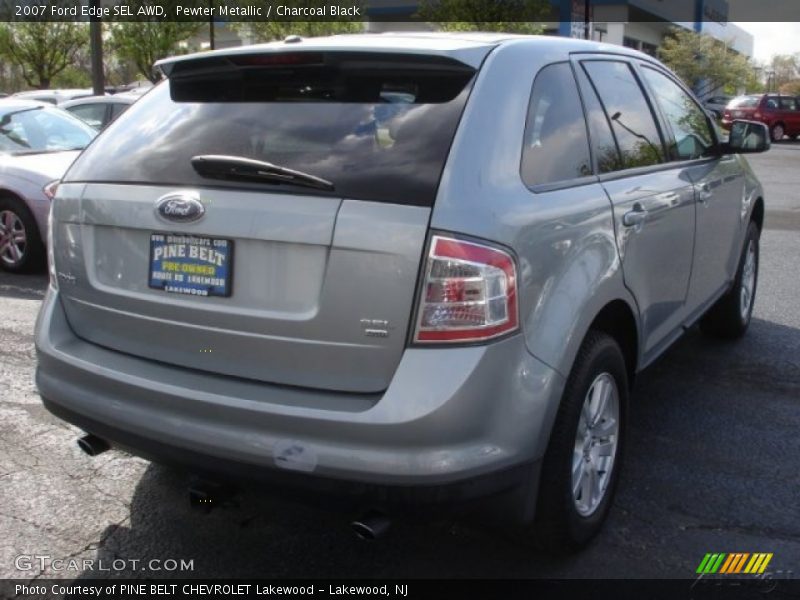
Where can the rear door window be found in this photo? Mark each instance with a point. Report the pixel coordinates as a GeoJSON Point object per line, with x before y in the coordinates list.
{"type": "Point", "coordinates": [556, 147]}
{"type": "Point", "coordinates": [93, 114]}
{"type": "Point", "coordinates": [604, 146]}
{"type": "Point", "coordinates": [628, 111]}
{"type": "Point", "coordinates": [378, 126]}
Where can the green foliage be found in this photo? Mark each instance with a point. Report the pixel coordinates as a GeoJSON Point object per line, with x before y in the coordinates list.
{"type": "Point", "coordinates": [782, 70]}
{"type": "Point", "coordinates": [74, 76]}
{"type": "Point", "coordinates": [791, 87]}
{"type": "Point", "coordinates": [704, 63]}
{"type": "Point", "coordinates": [143, 43]}
{"type": "Point", "coordinates": [510, 16]}
{"type": "Point", "coordinates": [271, 29]}
{"type": "Point", "coordinates": [41, 51]}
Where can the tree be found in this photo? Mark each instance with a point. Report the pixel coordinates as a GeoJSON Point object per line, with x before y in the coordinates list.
{"type": "Point", "coordinates": [42, 51]}
{"type": "Point", "coordinates": [791, 87]}
{"type": "Point", "coordinates": [271, 29]}
{"type": "Point", "coordinates": [784, 68]}
{"type": "Point", "coordinates": [704, 63]}
{"type": "Point", "coordinates": [511, 16]}
{"type": "Point", "coordinates": [143, 43]}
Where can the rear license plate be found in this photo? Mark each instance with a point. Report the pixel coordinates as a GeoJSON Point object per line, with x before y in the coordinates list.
{"type": "Point", "coordinates": [191, 265]}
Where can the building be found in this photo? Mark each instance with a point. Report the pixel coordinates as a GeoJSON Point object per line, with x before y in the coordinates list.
{"type": "Point", "coordinates": [639, 24]}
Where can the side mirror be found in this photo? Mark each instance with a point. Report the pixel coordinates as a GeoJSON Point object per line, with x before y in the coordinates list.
{"type": "Point", "coordinates": [747, 137]}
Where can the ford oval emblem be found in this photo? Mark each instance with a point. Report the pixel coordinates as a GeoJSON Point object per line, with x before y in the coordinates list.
{"type": "Point", "coordinates": [182, 207]}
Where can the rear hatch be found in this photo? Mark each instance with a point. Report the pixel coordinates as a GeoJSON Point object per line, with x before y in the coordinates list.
{"type": "Point", "coordinates": [263, 215]}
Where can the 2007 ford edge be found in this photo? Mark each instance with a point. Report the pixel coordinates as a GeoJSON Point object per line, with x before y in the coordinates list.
{"type": "Point", "coordinates": [421, 268]}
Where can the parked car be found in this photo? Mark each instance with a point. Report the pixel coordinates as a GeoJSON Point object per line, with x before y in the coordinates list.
{"type": "Point", "coordinates": [780, 113]}
{"type": "Point", "coordinates": [53, 96]}
{"type": "Point", "coordinates": [402, 269]}
{"type": "Point", "coordinates": [37, 144]}
{"type": "Point", "coordinates": [716, 104]}
{"type": "Point", "coordinates": [99, 111]}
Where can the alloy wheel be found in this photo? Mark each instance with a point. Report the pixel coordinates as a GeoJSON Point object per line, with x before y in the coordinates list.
{"type": "Point", "coordinates": [596, 443]}
{"type": "Point", "coordinates": [13, 238]}
{"type": "Point", "coordinates": [748, 284]}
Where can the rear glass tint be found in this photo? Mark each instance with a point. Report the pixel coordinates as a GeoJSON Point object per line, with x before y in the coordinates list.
{"type": "Point", "coordinates": [379, 127]}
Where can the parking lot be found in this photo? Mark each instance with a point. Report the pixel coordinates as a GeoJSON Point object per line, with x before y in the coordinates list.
{"type": "Point", "coordinates": [711, 466]}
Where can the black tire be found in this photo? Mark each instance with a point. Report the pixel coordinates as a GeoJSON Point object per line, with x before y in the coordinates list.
{"type": "Point", "coordinates": [775, 134]}
{"type": "Point", "coordinates": [727, 318]}
{"type": "Point", "coordinates": [33, 258]}
{"type": "Point", "coordinates": [558, 526]}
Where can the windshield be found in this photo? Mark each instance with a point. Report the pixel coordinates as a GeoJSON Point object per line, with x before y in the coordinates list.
{"type": "Point", "coordinates": [40, 129]}
{"type": "Point", "coordinates": [745, 102]}
{"type": "Point", "coordinates": [376, 127]}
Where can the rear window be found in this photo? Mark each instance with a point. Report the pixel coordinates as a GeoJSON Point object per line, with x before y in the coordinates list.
{"type": "Point", "coordinates": [378, 127]}
{"type": "Point", "coordinates": [745, 102]}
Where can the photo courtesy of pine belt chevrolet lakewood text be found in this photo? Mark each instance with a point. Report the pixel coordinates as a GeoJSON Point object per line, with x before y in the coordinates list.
{"type": "Point", "coordinates": [405, 271]}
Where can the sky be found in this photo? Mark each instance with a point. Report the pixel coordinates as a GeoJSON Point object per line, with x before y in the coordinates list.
{"type": "Point", "coordinates": [773, 38]}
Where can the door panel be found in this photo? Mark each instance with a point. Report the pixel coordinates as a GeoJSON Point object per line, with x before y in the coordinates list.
{"type": "Point", "coordinates": [719, 186]}
{"type": "Point", "coordinates": [654, 211]}
{"type": "Point", "coordinates": [654, 216]}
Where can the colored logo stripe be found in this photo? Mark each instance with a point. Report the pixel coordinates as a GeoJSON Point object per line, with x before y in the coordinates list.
{"type": "Point", "coordinates": [711, 563]}
{"type": "Point", "coordinates": [758, 564]}
{"type": "Point", "coordinates": [727, 564]}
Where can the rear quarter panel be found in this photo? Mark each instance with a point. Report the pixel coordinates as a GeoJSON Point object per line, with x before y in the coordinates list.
{"type": "Point", "coordinates": [564, 239]}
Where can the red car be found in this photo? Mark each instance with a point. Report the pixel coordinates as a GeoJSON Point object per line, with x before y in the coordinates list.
{"type": "Point", "coordinates": [779, 112]}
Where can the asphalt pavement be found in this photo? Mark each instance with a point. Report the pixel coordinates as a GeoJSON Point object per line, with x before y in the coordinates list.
{"type": "Point", "coordinates": [711, 467]}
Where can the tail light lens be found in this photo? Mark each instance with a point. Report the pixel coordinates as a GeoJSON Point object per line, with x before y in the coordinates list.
{"type": "Point", "coordinates": [469, 293]}
{"type": "Point", "coordinates": [51, 255]}
{"type": "Point", "coordinates": [50, 189]}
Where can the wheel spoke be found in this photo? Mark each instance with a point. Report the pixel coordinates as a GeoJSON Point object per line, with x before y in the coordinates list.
{"type": "Point", "coordinates": [15, 253]}
{"type": "Point", "coordinates": [605, 448]}
{"type": "Point", "coordinates": [8, 220]}
{"type": "Point", "coordinates": [19, 237]}
{"type": "Point", "coordinates": [605, 427]}
{"type": "Point", "coordinates": [577, 480]}
{"type": "Point", "coordinates": [586, 487]}
{"type": "Point", "coordinates": [603, 395]}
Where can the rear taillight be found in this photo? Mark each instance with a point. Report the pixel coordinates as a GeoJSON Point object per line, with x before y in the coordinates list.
{"type": "Point", "coordinates": [469, 293]}
{"type": "Point", "coordinates": [50, 189]}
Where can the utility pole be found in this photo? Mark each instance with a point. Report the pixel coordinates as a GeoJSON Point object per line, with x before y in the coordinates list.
{"type": "Point", "coordinates": [96, 48]}
{"type": "Point", "coordinates": [587, 19]}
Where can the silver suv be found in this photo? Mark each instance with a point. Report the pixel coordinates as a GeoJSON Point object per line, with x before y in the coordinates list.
{"type": "Point", "coordinates": [416, 269]}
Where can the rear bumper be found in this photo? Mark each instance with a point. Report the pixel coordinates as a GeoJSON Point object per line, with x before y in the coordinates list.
{"type": "Point", "coordinates": [471, 419]}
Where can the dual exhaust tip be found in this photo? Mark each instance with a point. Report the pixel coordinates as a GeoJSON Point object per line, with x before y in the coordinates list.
{"type": "Point", "coordinates": [206, 495]}
{"type": "Point", "coordinates": [93, 445]}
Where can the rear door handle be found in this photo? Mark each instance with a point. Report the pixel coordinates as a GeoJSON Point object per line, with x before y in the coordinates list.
{"type": "Point", "coordinates": [634, 217]}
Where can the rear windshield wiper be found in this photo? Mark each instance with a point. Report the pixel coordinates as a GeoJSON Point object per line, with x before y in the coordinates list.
{"type": "Point", "coordinates": [237, 167]}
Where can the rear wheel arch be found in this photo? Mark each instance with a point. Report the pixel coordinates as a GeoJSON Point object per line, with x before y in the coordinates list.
{"type": "Point", "coordinates": [618, 320]}
{"type": "Point", "coordinates": [757, 216]}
